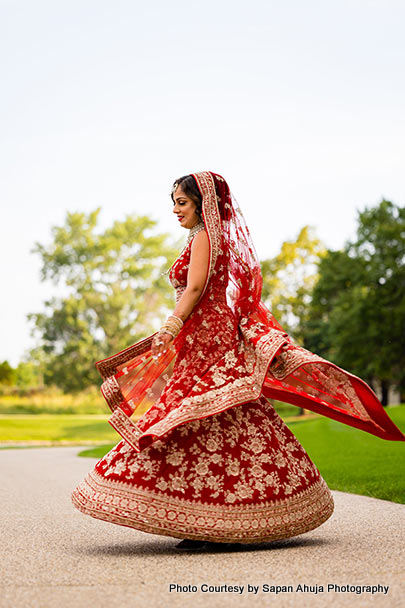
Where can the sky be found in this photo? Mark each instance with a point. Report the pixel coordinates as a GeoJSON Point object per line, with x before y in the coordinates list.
{"type": "Point", "coordinates": [299, 105]}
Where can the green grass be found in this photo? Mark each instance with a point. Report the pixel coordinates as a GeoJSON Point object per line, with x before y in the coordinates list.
{"type": "Point", "coordinates": [354, 461]}
{"type": "Point", "coordinates": [57, 428]}
{"type": "Point", "coordinates": [97, 452]}
{"type": "Point", "coordinates": [52, 401]}
{"type": "Point", "coordinates": [348, 459]}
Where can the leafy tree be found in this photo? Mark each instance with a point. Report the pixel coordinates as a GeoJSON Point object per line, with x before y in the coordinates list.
{"type": "Point", "coordinates": [7, 373]}
{"type": "Point", "coordinates": [289, 277]}
{"type": "Point", "coordinates": [110, 293]}
{"type": "Point", "coordinates": [357, 313]}
{"type": "Point", "coordinates": [28, 375]}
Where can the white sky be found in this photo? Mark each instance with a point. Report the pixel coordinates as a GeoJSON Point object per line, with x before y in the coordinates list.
{"type": "Point", "coordinates": [299, 105]}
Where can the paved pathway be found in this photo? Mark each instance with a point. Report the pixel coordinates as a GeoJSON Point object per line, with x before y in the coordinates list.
{"type": "Point", "coordinates": [53, 555]}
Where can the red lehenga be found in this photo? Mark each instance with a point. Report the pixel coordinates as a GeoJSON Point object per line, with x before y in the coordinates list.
{"type": "Point", "coordinates": [211, 459]}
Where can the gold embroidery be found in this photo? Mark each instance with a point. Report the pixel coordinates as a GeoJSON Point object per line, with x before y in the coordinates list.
{"type": "Point", "coordinates": [111, 392]}
{"type": "Point", "coordinates": [289, 360]}
{"type": "Point", "coordinates": [212, 219]}
{"type": "Point", "coordinates": [148, 511]}
{"type": "Point", "coordinates": [213, 401]}
{"type": "Point", "coordinates": [307, 501]}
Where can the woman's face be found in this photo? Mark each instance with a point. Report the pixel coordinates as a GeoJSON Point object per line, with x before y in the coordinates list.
{"type": "Point", "coordinates": [185, 209]}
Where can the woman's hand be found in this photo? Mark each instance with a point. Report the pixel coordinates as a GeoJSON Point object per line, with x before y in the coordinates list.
{"type": "Point", "coordinates": [161, 343]}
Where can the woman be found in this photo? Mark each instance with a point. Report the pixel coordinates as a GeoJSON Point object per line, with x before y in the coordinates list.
{"type": "Point", "coordinates": [210, 460]}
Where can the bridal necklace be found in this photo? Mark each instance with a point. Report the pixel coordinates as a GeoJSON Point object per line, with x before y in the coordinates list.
{"type": "Point", "coordinates": [193, 230]}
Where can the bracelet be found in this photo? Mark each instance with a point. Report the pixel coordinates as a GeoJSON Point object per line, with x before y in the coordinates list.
{"type": "Point", "coordinates": [178, 319]}
{"type": "Point", "coordinates": [172, 325]}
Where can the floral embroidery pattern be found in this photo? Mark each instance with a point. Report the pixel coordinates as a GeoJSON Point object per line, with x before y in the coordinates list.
{"type": "Point", "coordinates": [240, 474]}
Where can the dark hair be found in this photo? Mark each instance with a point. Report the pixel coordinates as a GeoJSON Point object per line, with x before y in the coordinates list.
{"type": "Point", "coordinates": [190, 189]}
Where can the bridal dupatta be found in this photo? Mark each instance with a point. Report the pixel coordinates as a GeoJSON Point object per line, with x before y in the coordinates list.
{"type": "Point", "coordinates": [230, 350]}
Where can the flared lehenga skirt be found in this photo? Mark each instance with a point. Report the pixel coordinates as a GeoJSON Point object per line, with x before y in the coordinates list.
{"type": "Point", "coordinates": [236, 476]}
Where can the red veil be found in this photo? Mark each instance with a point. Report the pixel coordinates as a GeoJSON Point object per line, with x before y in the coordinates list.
{"type": "Point", "coordinates": [230, 350]}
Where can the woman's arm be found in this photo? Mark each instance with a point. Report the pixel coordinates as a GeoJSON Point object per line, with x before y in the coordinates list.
{"type": "Point", "coordinates": [197, 272]}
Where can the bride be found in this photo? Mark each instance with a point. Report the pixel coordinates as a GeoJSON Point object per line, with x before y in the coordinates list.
{"type": "Point", "coordinates": [204, 456]}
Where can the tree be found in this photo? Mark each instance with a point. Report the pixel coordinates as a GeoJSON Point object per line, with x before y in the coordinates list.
{"type": "Point", "coordinates": [28, 375]}
{"type": "Point", "coordinates": [289, 277]}
{"type": "Point", "coordinates": [357, 313]}
{"type": "Point", "coordinates": [110, 293]}
{"type": "Point", "coordinates": [7, 373]}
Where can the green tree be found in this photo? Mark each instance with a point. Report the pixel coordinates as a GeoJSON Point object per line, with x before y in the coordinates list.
{"type": "Point", "coordinates": [357, 312]}
{"type": "Point", "coordinates": [7, 374]}
{"type": "Point", "coordinates": [110, 293]}
{"type": "Point", "coordinates": [28, 375]}
{"type": "Point", "coordinates": [289, 277]}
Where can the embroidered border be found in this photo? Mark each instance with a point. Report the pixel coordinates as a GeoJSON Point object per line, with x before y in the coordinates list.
{"type": "Point", "coordinates": [212, 219]}
{"type": "Point", "coordinates": [111, 389]}
{"type": "Point", "coordinates": [111, 392]}
{"type": "Point", "coordinates": [288, 361]}
{"type": "Point", "coordinates": [149, 511]}
{"type": "Point", "coordinates": [108, 367]}
{"type": "Point", "coordinates": [125, 426]}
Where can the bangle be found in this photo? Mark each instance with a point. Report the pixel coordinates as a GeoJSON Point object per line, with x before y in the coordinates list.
{"type": "Point", "coordinates": [172, 325]}
{"type": "Point", "coordinates": [178, 319]}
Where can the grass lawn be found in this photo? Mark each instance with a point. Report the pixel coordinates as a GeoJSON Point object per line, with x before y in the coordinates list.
{"type": "Point", "coordinates": [354, 461]}
{"type": "Point", "coordinates": [57, 428]}
{"type": "Point", "coordinates": [348, 459]}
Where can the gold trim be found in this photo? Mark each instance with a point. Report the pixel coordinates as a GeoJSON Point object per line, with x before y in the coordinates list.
{"type": "Point", "coordinates": [149, 511]}
{"type": "Point", "coordinates": [289, 360]}
{"type": "Point", "coordinates": [212, 219]}
{"type": "Point", "coordinates": [108, 367]}
{"type": "Point", "coordinates": [111, 392]}
{"type": "Point", "coordinates": [125, 427]}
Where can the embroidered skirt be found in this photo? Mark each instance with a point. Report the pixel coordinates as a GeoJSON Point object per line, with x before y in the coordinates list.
{"type": "Point", "coordinates": [237, 476]}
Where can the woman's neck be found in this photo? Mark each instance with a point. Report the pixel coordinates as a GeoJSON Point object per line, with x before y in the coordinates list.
{"type": "Point", "coordinates": [196, 228]}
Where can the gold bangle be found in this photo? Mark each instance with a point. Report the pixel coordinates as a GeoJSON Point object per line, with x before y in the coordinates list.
{"type": "Point", "coordinates": [177, 319]}
{"type": "Point", "coordinates": [170, 329]}
{"type": "Point", "coordinates": [172, 325]}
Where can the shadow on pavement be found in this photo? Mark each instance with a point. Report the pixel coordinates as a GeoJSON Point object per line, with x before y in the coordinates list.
{"type": "Point", "coordinates": [149, 548]}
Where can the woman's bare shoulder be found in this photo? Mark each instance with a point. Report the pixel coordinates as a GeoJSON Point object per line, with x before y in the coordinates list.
{"type": "Point", "coordinates": [200, 248]}
{"type": "Point", "coordinates": [200, 237]}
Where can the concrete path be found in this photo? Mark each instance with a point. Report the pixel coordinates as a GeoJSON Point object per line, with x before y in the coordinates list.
{"type": "Point", "coordinates": [53, 555]}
